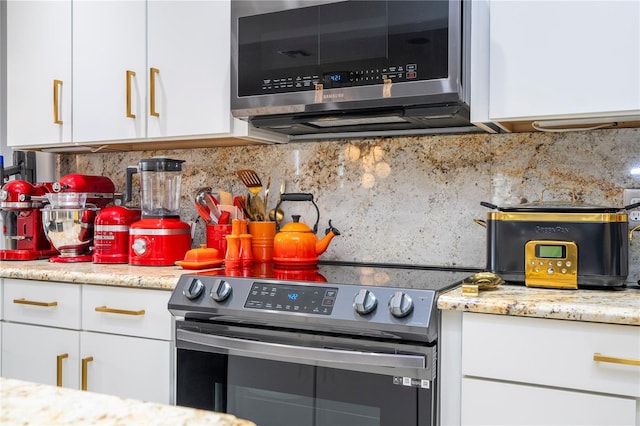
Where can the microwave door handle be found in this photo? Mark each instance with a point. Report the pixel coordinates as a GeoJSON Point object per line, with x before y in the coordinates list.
{"type": "Point", "coordinates": [290, 353]}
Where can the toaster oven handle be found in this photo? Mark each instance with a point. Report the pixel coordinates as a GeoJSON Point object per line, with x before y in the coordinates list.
{"type": "Point", "coordinates": [292, 353]}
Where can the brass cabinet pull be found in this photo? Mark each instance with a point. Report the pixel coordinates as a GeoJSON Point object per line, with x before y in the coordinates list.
{"type": "Point", "coordinates": [59, 359]}
{"type": "Point", "coordinates": [152, 91]}
{"type": "Point", "coordinates": [57, 85]}
{"type": "Point", "coordinates": [24, 301]}
{"type": "Point", "coordinates": [119, 311]}
{"type": "Point", "coordinates": [85, 362]}
{"type": "Point", "coordinates": [616, 360]}
{"type": "Point", "coordinates": [130, 75]}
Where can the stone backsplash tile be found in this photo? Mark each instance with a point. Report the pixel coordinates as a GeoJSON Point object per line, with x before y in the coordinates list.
{"type": "Point", "coordinates": [409, 200]}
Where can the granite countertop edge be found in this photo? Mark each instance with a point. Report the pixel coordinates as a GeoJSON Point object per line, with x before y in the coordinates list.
{"type": "Point", "coordinates": [603, 306]}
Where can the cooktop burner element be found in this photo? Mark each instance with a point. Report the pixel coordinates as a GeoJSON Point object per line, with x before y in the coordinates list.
{"type": "Point", "coordinates": [374, 300]}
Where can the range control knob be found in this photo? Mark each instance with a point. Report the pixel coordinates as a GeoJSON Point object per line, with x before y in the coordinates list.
{"type": "Point", "coordinates": [194, 290]}
{"type": "Point", "coordinates": [400, 304]}
{"type": "Point", "coordinates": [365, 302]}
{"type": "Point", "coordinates": [220, 290]}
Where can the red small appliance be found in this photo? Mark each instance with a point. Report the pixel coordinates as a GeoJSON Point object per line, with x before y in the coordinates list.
{"type": "Point", "coordinates": [111, 237]}
{"type": "Point", "coordinates": [69, 218]}
{"type": "Point", "coordinates": [159, 238]}
{"type": "Point", "coordinates": [20, 204]}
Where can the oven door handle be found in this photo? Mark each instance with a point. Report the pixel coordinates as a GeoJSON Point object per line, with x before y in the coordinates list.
{"type": "Point", "coordinates": [281, 352]}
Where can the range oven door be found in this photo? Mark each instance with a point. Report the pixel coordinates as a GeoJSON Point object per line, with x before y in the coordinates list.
{"type": "Point", "coordinates": [266, 377]}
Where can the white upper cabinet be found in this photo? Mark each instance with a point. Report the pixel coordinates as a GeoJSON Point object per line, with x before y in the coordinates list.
{"type": "Point", "coordinates": [38, 72]}
{"type": "Point", "coordinates": [189, 68]}
{"type": "Point", "coordinates": [109, 70]}
{"type": "Point", "coordinates": [564, 59]}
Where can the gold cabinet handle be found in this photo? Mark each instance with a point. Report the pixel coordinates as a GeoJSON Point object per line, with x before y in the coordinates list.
{"type": "Point", "coordinates": [616, 360]}
{"type": "Point", "coordinates": [152, 92]}
{"type": "Point", "coordinates": [59, 359]}
{"type": "Point", "coordinates": [85, 363]}
{"type": "Point", "coordinates": [57, 85]}
{"type": "Point", "coordinates": [24, 301]}
{"type": "Point", "coordinates": [119, 311]}
{"type": "Point", "coordinates": [130, 75]}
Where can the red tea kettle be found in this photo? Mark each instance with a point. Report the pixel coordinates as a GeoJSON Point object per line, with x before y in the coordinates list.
{"type": "Point", "coordinates": [296, 245]}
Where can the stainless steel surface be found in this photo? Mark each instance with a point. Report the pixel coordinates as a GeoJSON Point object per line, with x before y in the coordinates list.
{"type": "Point", "coordinates": [410, 107]}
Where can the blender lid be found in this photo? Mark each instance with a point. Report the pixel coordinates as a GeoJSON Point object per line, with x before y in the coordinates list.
{"type": "Point", "coordinates": [160, 164]}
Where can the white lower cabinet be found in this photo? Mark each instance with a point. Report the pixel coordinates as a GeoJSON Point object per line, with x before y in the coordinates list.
{"type": "Point", "coordinates": [112, 340]}
{"type": "Point", "coordinates": [507, 370]}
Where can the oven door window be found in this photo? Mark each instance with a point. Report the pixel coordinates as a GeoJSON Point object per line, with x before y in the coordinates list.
{"type": "Point", "coordinates": [280, 393]}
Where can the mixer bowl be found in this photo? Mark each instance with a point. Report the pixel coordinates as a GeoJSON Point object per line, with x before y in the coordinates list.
{"type": "Point", "coordinates": [69, 230]}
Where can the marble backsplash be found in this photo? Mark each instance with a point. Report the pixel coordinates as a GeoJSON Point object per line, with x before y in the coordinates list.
{"type": "Point", "coordinates": [408, 200]}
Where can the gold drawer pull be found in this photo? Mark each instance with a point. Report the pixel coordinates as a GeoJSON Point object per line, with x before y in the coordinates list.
{"type": "Point", "coordinates": [59, 359]}
{"type": "Point", "coordinates": [24, 301]}
{"type": "Point", "coordinates": [616, 360]}
{"type": "Point", "coordinates": [119, 311]}
{"type": "Point", "coordinates": [85, 363]}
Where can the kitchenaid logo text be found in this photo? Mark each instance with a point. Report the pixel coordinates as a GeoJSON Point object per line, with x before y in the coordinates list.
{"type": "Point", "coordinates": [551, 230]}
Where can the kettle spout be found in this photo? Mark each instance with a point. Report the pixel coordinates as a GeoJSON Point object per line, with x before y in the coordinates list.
{"type": "Point", "coordinates": [323, 244]}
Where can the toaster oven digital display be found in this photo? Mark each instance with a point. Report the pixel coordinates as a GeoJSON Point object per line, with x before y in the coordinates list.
{"type": "Point", "coordinates": [551, 251]}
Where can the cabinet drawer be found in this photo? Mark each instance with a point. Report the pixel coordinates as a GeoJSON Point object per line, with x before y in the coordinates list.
{"type": "Point", "coordinates": [42, 302]}
{"type": "Point", "coordinates": [551, 352]}
{"type": "Point", "coordinates": [126, 311]}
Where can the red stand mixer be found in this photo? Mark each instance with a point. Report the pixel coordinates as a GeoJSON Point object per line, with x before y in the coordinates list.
{"type": "Point", "coordinates": [159, 238]}
{"type": "Point", "coordinates": [68, 219]}
{"type": "Point", "coordinates": [25, 238]}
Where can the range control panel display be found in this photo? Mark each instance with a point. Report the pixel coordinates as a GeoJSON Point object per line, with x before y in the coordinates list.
{"type": "Point", "coordinates": [292, 298]}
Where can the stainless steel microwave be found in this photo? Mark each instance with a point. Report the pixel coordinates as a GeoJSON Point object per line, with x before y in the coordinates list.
{"type": "Point", "coordinates": [322, 69]}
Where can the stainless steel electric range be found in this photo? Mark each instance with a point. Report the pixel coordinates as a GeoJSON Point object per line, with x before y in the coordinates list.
{"type": "Point", "coordinates": [346, 344]}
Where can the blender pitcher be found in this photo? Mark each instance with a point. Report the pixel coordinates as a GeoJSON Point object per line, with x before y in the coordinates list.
{"type": "Point", "coordinates": [159, 238]}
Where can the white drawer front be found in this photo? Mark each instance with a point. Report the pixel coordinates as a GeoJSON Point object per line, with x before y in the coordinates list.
{"type": "Point", "coordinates": [42, 302]}
{"type": "Point", "coordinates": [551, 352]}
{"type": "Point", "coordinates": [126, 311]}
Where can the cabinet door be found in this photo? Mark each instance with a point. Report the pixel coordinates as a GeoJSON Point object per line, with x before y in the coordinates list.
{"type": "Point", "coordinates": [38, 72]}
{"type": "Point", "coordinates": [109, 45]}
{"type": "Point", "coordinates": [40, 354]}
{"type": "Point", "coordinates": [486, 402]}
{"type": "Point", "coordinates": [189, 67]}
{"type": "Point", "coordinates": [129, 367]}
{"type": "Point", "coordinates": [564, 59]}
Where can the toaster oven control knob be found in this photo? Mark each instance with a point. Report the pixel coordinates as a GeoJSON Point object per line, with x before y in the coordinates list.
{"type": "Point", "coordinates": [221, 290]}
{"type": "Point", "coordinates": [400, 304]}
{"type": "Point", "coordinates": [365, 302]}
{"type": "Point", "coordinates": [194, 290]}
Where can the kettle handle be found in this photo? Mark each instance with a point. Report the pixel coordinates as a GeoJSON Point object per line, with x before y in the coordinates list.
{"type": "Point", "coordinates": [298, 196]}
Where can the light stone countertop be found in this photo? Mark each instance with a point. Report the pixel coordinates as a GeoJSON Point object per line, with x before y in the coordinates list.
{"type": "Point", "coordinates": [154, 277]}
{"type": "Point", "coordinates": [24, 403]}
{"type": "Point", "coordinates": [605, 306]}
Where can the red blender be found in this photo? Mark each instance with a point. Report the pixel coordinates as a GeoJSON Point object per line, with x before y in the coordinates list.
{"type": "Point", "coordinates": [159, 238]}
{"type": "Point", "coordinates": [25, 239]}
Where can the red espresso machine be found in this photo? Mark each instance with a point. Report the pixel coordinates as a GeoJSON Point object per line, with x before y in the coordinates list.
{"type": "Point", "coordinates": [25, 239]}
{"type": "Point", "coordinates": [159, 238]}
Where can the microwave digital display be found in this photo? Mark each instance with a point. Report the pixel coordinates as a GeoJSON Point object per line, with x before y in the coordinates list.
{"type": "Point", "coordinates": [343, 44]}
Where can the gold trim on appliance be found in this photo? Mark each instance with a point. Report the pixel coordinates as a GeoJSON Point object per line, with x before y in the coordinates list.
{"type": "Point", "coordinates": [85, 363]}
{"type": "Point", "coordinates": [24, 301]}
{"type": "Point", "coordinates": [59, 359]}
{"type": "Point", "coordinates": [119, 311]}
{"type": "Point", "coordinates": [634, 229]}
{"type": "Point", "coordinates": [554, 271]}
{"type": "Point", "coordinates": [130, 75]}
{"type": "Point", "coordinates": [57, 85]}
{"type": "Point", "coordinates": [615, 360]}
{"type": "Point", "coordinates": [152, 92]}
{"type": "Point", "coordinates": [558, 217]}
